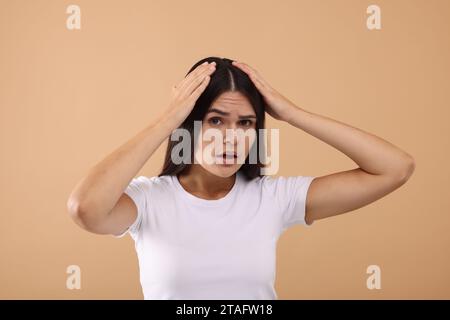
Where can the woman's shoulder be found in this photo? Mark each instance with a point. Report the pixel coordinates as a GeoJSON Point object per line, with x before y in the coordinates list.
{"type": "Point", "coordinates": [275, 183]}
{"type": "Point", "coordinates": [153, 183]}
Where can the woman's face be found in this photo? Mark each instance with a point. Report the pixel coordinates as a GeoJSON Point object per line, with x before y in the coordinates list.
{"type": "Point", "coordinates": [228, 127]}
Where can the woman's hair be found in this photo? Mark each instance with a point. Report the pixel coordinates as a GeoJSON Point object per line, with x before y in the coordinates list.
{"type": "Point", "coordinates": [225, 78]}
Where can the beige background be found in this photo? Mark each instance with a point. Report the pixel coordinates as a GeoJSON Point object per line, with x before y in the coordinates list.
{"type": "Point", "coordinates": [68, 98]}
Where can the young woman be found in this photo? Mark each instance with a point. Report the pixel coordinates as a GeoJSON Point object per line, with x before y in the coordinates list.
{"type": "Point", "coordinates": [209, 230]}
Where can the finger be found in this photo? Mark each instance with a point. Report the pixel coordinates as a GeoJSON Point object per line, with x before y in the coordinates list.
{"type": "Point", "coordinates": [190, 87]}
{"type": "Point", "coordinates": [261, 87]}
{"type": "Point", "coordinates": [199, 90]}
{"type": "Point", "coordinates": [193, 74]}
{"type": "Point", "coordinates": [244, 67]}
{"type": "Point", "coordinates": [256, 81]}
{"type": "Point", "coordinates": [250, 71]}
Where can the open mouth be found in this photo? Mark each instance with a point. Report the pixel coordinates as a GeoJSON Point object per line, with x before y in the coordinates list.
{"type": "Point", "coordinates": [228, 157]}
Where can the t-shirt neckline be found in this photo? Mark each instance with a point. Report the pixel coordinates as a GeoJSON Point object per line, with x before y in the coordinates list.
{"type": "Point", "coordinates": [205, 202]}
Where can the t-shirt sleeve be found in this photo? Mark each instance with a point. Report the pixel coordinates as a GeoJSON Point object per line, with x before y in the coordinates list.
{"type": "Point", "coordinates": [290, 194]}
{"type": "Point", "coordinates": [138, 191]}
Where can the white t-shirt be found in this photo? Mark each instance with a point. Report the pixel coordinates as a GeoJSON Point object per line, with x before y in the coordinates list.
{"type": "Point", "coordinates": [193, 248]}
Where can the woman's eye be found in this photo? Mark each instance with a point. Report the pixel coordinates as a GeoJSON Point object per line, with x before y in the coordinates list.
{"type": "Point", "coordinates": [246, 122]}
{"type": "Point", "coordinates": [214, 121]}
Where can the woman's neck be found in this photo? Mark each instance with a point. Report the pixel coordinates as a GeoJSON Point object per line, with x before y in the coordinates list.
{"type": "Point", "coordinates": [200, 182]}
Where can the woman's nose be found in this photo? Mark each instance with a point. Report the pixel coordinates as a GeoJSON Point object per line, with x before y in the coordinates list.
{"type": "Point", "coordinates": [229, 135]}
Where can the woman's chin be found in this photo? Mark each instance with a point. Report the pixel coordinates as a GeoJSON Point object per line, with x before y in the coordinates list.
{"type": "Point", "coordinates": [223, 170]}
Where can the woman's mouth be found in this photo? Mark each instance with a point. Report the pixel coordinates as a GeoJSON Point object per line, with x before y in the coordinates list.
{"type": "Point", "coordinates": [227, 158]}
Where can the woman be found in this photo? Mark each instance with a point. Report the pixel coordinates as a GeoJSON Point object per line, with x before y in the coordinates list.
{"type": "Point", "coordinates": [207, 230]}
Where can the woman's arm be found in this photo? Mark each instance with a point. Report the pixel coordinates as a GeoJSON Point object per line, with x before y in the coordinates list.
{"type": "Point", "coordinates": [92, 201]}
{"type": "Point", "coordinates": [97, 202]}
{"type": "Point", "coordinates": [383, 167]}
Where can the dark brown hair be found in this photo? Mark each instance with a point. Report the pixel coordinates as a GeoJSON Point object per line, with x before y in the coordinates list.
{"type": "Point", "coordinates": [225, 78]}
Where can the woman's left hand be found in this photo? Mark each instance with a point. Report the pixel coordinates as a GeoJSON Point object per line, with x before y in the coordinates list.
{"type": "Point", "coordinates": [277, 105]}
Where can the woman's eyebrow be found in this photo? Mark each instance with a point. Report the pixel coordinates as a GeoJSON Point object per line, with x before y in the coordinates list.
{"type": "Point", "coordinates": [227, 113]}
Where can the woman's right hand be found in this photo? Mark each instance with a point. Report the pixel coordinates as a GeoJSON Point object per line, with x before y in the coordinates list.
{"type": "Point", "coordinates": [186, 93]}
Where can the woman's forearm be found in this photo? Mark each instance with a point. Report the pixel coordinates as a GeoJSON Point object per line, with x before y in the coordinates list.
{"type": "Point", "coordinates": [93, 202]}
{"type": "Point", "coordinates": [100, 189]}
{"type": "Point", "coordinates": [373, 154]}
